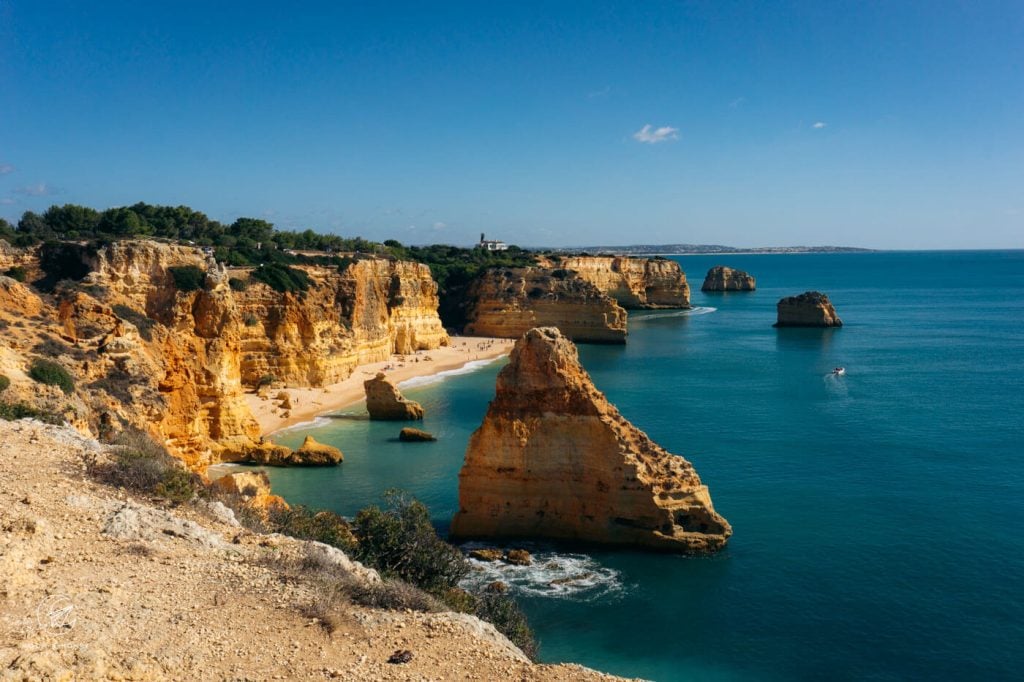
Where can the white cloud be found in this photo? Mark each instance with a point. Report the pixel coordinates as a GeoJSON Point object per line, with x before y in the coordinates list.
{"type": "Point", "coordinates": [40, 189]}
{"type": "Point", "coordinates": [818, 125]}
{"type": "Point", "coordinates": [6, 201]}
{"type": "Point", "coordinates": [603, 92]}
{"type": "Point", "coordinates": [6, 168]}
{"type": "Point", "coordinates": [439, 225]}
{"type": "Point", "coordinates": [736, 102]}
{"type": "Point", "coordinates": [651, 135]}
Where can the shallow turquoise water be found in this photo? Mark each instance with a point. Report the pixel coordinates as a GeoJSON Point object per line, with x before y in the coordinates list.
{"type": "Point", "coordinates": [878, 517]}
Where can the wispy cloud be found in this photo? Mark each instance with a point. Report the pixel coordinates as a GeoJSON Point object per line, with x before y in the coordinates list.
{"type": "Point", "coordinates": [40, 189]}
{"type": "Point", "coordinates": [737, 102]}
{"type": "Point", "coordinates": [439, 225]}
{"type": "Point", "coordinates": [603, 92]}
{"type": "Point", "coordinates": [818, 125]}
{"type": "Point", "coordinates": [6, 168]}
{"type": "Point", "coordinates": [6, 201]}
{"type": "Point", "coordinates": [651, 135]}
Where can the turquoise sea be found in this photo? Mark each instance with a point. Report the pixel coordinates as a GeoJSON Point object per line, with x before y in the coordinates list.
{"type": "Point", "coordinates": [878, 517]}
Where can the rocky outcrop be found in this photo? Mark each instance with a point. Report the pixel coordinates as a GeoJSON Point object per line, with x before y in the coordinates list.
{"type": "Point", "coordinates": [507, 302]}
{"type": "Point", "coordinates": [374, 308]}
{"type": "Point", "coordinates": [312, 453]}
{"type": "Point", "coordinates": [385, 402]}
{"type": "Point", "coordinates": [554, 459]}
{"type": "Point", "coordinates": [176, 363]}
{"type": "Point", "coordinates": [722, 278]}
{"type": "Point", "coordinates": [809, 309]}
{"type": "Point", "coordinates": [253, 488]}
{"type": "Point", "coordinates": [410, 435]}
{"type": "Point", "coordinates": [632, 282]}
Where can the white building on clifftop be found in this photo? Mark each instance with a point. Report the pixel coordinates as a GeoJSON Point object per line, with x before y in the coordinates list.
{"type": "Point", "coordinates": [492, 244]}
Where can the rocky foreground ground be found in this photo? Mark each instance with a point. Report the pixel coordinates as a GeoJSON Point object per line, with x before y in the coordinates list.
{"type": "Point", "coordinates": [96, 584]}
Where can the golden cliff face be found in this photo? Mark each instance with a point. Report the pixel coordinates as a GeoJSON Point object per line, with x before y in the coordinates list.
{"type": "Point", "coordinates": [177, 363]}
{"type": "Point", "coordinates": [371, 310]}
{"type": "Point", "coordinates": [507, 302]}
{"type": "Point", "coordinates": [554, 459]}
{"type": "Point", "coordinates": [632, 282]}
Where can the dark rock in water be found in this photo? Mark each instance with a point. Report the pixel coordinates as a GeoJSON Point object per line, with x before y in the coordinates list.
{"type": "Point", "coordinates": [809, 309]}
{"type": "Point", "coordinates": [722, 278]}
{"type": "Point", "coordinates": [497, 587]}
{"type": "Point", "coordinates": [400, 656]}
{"type": "Point", "coordinates": [489, 554]}
{"type": "Point", "coordinates": [570, 579]}
{"type": "Point", "coordinates": [519, 557]}
{"type": "Point", "coordinates": [411, 435]}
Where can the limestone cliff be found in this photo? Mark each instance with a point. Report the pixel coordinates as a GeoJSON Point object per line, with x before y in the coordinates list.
{"type": "Point", "coordinates": [507, 302]}
{"type": "Point", "coordinates": [374, 308]}
{"type": "Point", "coordinates": [722, 278]}
{"type": "Point", "coordinates": [554, 459]}
{"type": "Point", "coordinates": [632, 282]}
{"type": "Point", "coordinates": [809, 309]}
{"type": "Point", "coordinates": [176, 362]}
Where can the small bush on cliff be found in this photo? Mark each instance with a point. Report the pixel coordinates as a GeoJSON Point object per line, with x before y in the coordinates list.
{"type": "Point", "coordinates": [238, 284]}
{"type": "Point", "coordinates": [391, 594]}
{"type": "Point", "coordinates": [266, 380]}
{"type": "Point", "coordinates": [250, 320]}
{"type": "Point", "coordinates": [282, 278]}
{"type": "Point", "coordinates": [16, 273]}
{"type": "Point", "coordinates": [504, 613]}
{"type": "Point", "coordinates": [52, 374]}
{"type": "Point", "coordinates": [401, 542]}
{"type": "Point", "coordinates": [143, 465]}
{"type": "Point", "coordinates": [188, 277]}
{"type": "Point", "coordinates": [15, 411]}
{"type": "Point", "coordinates": [4, 383]}
{"type": "Point", "coordinates": [312, 524]}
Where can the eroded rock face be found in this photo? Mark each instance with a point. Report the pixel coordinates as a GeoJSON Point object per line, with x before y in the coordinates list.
{"type": "Point", "coordinates": [385, 402]}
{"type": "Point", "coordinates": [554, 459]}
{"type": "Point", "coordinates": [312, 453]}
{"type": "Point", "coordinates": [507, 302]}
{"type": "Point", "coordinates": [809, 309]}
{"type": "Point", "coordinates": [633, 282]}
{"type": "Point", "coordinates": [722, 278]}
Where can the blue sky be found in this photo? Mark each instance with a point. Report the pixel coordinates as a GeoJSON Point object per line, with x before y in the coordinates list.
{"type": "Point", "coordinates": [884, 124]}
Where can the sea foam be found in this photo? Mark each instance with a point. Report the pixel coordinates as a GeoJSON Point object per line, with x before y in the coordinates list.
{"type": "Point", "coordinates": [468, 368]}
{"type": "Point", "coordinates": [552, 574]}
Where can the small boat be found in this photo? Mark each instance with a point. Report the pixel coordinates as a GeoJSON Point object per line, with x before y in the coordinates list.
{"type": "Point", "coordinates": [839, 371]}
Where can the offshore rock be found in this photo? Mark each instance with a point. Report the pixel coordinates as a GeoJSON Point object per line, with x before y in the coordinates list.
{"type": "Point", "coordinates": [554, 459]}
{"type": "Point", "coordinates": [385, 402]}
{"type": "Point", "coordinates": [722, 278]}
{"type": "Point", "coordinates": [809, 309]}
{"type": "Point", "coordinates": [411, 435]}
{"type": "Point", "coordinates": [633, 282]}
{"type": "Point", "coordinates": [312, 453]}
{"type": "Point", "coordinates": [507, 302]}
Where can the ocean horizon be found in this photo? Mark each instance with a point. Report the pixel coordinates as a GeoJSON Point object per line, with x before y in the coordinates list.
{"type": "Point", "coordinates": [875, 514]}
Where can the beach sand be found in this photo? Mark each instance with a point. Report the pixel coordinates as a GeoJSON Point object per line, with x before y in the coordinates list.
{"type": "Point", "coordinates": [308, 403]}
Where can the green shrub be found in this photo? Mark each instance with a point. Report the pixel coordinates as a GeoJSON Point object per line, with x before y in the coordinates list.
{"type": "Point", "coordinates": [52, 374]}
{"type": "Point", "coordinates": [188, 277]}
{"type": "Point", "coordinates": [17, 273]}
{"type": "Point", "coordinates": [238, 284]}
{"type": "Point", "coordinates": [143, 465]}
{"type": "Point", "coordinates": [282, 278]}
{"type": "Point", "coordinates": [251, 320]}
{"type": "Point", "coordinates": [504, 613]}
{"type": "Point", "coordinates": [266, 380]}
{"type": "Point", "coordinates": [141, 322]}
{"type": "Point", "coordinates": [15, 411]}
{"type": "Point", "coordinates": [400, 542]}
{"type": "Point", "coordinates": [311, 524]}
{"type": "Point", "coordinates": [390, 594]}
{"type": "Point", "coordinates": [4, 383]}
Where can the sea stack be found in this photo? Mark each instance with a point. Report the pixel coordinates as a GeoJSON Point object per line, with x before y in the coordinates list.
{"type": "Point", "coordinates": [312, 453]}
{"type": "Point", "coordinates": [809, 309]}
{"type": "Point", "coordinates": [385, 402]}
{"type": "Point", "coordinates": [722, 278]}
{"type": "Point", "coordinates": [554, 459]}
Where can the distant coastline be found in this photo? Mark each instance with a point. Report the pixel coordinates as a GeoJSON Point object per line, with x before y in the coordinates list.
{"type": "Point", "coordinates": [705, 250]}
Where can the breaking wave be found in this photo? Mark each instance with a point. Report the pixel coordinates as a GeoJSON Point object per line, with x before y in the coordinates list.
{"type": "Point", "coordinates": [468, 368]}
{"type": "Point", "coordinates": [692, 312]}
{"type": "Point", "coordinates": [552, 574]}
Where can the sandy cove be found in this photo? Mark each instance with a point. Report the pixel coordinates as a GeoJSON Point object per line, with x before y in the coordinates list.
{"type": "Point", "coordinates": [309, 403]}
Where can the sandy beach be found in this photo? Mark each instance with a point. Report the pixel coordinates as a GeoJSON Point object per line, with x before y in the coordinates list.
{"type": "Point", "coordinates": [308, 403]}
